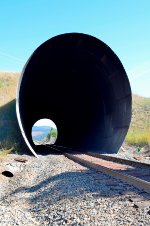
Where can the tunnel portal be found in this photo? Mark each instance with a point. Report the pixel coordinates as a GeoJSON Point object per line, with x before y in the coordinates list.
{"type": "Point", "coordinates": [78, 82]}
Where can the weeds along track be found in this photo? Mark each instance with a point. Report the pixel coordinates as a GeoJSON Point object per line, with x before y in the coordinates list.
{"type": "Point", "coordinates": [134, 173]}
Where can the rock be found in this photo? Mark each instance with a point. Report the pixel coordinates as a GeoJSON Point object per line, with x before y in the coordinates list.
{"type": "Point", "coordinates": [145, 151]}
{"type": "Point", "coordinates": [137, 158]}
{"type": "Point", "coordinates": [23, 160]}
{"type": "Point", "coordinates": [143, 204]}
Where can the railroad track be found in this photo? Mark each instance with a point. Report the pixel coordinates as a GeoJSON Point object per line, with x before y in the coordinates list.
{"type": "Point", "coordinates": [134, 173]}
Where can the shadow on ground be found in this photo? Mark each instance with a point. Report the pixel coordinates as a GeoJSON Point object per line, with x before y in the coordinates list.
{"type": "Point", "coordinates": [74, 187]}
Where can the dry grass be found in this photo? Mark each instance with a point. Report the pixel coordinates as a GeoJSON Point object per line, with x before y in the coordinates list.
{"type": "Point", "coordinates": [8, 84]}
{"type": "Point", "coordinates": [139, 131]}
{"type": "Point", "coordinates": [140, 114]}
{"type": "Point", "coordinates": [5, 152]}
{"type": "Point", "coordinates": [138, 138]}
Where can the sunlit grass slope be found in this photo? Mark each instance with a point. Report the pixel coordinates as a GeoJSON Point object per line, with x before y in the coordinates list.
{"type": "Point", "coordinates": [139, 132]}
{"type": "Point", "coordinates": [10, 136]}
{"type": "Point", "coordinates": [8, 83]}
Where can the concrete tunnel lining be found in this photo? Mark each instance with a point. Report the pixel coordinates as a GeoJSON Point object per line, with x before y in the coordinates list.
{"type": "Point", "coordinates": [77, 81]}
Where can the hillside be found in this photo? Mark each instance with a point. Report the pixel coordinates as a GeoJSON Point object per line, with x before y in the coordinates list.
{"type": "Point", "coordinates": [8, 83]}
{"type": "Point", "coordinates": [40, 132]}
{"type": "Point", "coordinates": [9, 130]}
{"type": "Point", "coordinates": [139, 132]}
{"type": "Point", "coordinates": [140, 113]}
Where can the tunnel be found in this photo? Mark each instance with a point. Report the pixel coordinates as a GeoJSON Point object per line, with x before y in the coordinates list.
{"type": "Point", "coordinates": [78, 82]}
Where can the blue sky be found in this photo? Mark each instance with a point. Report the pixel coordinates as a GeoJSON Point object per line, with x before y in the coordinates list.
{"type": "Point", "coordinates": [124, 25]}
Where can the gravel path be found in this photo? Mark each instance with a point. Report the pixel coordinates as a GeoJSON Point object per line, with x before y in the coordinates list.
{"type": "Point", "coordinates": [53, 190]}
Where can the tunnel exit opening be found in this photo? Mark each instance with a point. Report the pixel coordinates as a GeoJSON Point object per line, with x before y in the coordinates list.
{"type": "Point", "coordinates": [44, 132]}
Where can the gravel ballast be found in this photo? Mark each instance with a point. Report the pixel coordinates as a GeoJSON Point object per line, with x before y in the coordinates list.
{"type": "Point", "coordinates": [54, 190]}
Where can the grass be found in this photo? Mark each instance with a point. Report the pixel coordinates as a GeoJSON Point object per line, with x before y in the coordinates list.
{"type": "Point", "coordinates": [139, 131]}
{"type": "Point", "coordinates": [138, 138]}
{"type": "Point", "coordinates": [10, 135]}
{"type": "Point", "coordinates": [5, 152]}
{"type": "Point", "coordinates": [8, 83]}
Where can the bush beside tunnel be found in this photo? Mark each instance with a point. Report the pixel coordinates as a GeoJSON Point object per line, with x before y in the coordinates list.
{"type": "Point", "coordinates": [78, 82]}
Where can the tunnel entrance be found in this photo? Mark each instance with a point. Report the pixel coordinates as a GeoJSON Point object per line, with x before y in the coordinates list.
{"type": "Point", "coordinates": [44, 132]}
{"type": "Point", "coordinates": [91, 101]}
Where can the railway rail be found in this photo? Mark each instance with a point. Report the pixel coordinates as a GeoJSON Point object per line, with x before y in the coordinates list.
{"type": "Point", "coordinates": [134, 173]}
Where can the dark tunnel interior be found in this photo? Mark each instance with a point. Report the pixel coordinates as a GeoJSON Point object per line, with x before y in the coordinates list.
{"type": "Point", "coordinates": [78, 82]}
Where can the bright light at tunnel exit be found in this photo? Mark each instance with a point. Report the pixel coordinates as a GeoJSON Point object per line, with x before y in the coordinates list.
{"type": "Point", "coordinates": [44, 132]}
{"type": "Point", "coordinates": [45, 122]}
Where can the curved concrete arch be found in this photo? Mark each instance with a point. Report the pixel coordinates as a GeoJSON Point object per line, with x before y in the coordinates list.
{"type": "Point", "coordinates": [77, 81]}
